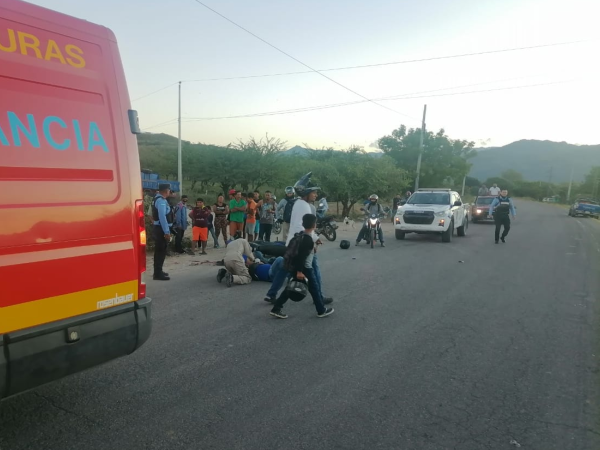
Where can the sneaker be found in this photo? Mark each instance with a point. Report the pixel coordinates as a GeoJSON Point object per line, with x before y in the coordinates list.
{"type": "Point", "coordinates": [327, 312]}
{"type": "Point", "coordinates": [221, 275]}
{"type": "Point", "coordinates": [269, 299]}
{"type": "Point", "coordinates": [496, 242]}
{"type": "Point", "coordinates": [204, 253]}
{"type": "Point", "coordinates": [165, 274]}
{"type": "Point", "coordinates": [279, 314]}
{"type": "Point", "coordinates": [356, 243]}
{"type": "Point", "coordinates": [228, 279]}
{"type": "Point", "coordinates": [217, 246]}
{"type": "Point", "coordinates": [503, 241]}
{"type": "Point", "coordinates": [382, 244]}
{"type": "Point", "coordinates": [161, 277]}
{"type": "Point", "coordinates": [327, 300]}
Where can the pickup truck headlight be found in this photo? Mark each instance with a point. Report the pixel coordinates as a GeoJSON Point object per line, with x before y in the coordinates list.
{"type": "Point", "coordinates": [478, 211]}
{"type": "Point", "coordinates": [442, 213]}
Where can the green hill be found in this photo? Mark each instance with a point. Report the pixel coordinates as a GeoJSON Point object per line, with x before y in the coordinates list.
{"type": "Point", "coordinates": [534, 160]}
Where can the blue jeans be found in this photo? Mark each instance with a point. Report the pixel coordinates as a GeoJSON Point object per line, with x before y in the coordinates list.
{"type": "Point", "coordinates": [317, 269]}
{"type": "Point", "coordinates": [279, 280]}
{"type": "Point", "coordinates": [309, 273]}
{"type": "Point", "coordinates": [276, 267]}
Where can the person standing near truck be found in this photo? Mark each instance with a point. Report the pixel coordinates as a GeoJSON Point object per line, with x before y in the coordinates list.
{"type": "Point", "coordinates": [502, 206]}
{"type": "Point", "coordinates": [162, 216]}
{"type": "Point", "coordinates": [181, 223]}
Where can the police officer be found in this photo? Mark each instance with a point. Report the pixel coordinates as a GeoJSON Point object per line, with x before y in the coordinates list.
{"type": "Point", "coordinates": [501, 207]}
{"type": "Point", "coordinates": [162, 214]}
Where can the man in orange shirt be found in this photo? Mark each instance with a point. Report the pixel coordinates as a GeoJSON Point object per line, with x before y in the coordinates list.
{"type": "Point", "coordinates": [250, 217]}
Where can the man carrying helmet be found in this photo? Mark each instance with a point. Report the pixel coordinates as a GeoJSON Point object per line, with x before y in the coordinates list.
{"type": "Point", "coordinates": [302, 206]}
{"type": "Point", "coordinates": [284, 210]}
{"type": "Point", "coordinates": [372, 208]}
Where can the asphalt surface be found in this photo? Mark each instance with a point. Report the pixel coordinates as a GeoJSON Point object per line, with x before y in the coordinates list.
{"type": "Point", "coordinates": [467, 345]}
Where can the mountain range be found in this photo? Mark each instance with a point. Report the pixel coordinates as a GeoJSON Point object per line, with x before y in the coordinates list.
{"type": "Point", "coordinates": [535, 160]}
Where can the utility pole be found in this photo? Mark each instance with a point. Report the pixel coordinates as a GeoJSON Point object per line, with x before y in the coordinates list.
{"type": "Point", "coordinates": [179, 167]}
{"type": "Point", "coordinates": [463, 188]}
{"type": "Point", "coordinates": [570, 183]}
{"type": "Point", "coordinates": [550, 181]}
{"type": "Point", "coordinates": [420, 148]}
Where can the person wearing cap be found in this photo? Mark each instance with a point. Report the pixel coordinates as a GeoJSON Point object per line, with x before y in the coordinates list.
{"type": "Point", "coordinates": [163, 219]}
{"type": "Point", "coordinates": [284, 210]}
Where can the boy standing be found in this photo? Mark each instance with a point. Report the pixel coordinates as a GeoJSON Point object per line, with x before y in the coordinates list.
{"type": "Point", "coordinates": [301, 269]}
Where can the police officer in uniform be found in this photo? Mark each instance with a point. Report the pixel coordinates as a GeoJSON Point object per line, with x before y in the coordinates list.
{"type": "Point", "coordinates": [162, 214]}
{"type": "Point", "coordinates": [502, 207]}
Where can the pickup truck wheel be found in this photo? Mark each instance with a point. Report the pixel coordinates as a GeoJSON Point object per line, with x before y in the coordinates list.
{"type": "Point", "coordinates": [447, 235]}
{"type": "Point", "coordinates": [462, 230]}
{"type": "Point", "coordinates": [400, 235]}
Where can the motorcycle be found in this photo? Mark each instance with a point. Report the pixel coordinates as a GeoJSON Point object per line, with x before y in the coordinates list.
{"type": "Point", "coordinates": [373, 224]}
{"type": "Point", "coordinates": [327, 226]}
{"type": "Point", "coordinates": [277, 226]}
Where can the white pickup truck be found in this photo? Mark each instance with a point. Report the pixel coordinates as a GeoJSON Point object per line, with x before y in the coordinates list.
{"type": "Point", "coordinates": [432, 211]}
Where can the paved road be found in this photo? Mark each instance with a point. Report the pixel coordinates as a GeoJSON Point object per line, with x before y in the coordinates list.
{"type": "Point", "coordinates": [423, 352]}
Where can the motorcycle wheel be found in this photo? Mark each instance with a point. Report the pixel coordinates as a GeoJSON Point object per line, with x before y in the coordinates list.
{"type": "Point", "coordinates": [329, 233]}
{"type": "Point", "coordinates": [372, 237]}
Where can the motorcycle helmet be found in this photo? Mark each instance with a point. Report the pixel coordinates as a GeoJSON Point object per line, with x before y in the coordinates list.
{"type": "Point", "coordinates": [373, 198]}
{"type": "Point", "coordinates": [296, 290]}
{"type": "Point", "coordinates": [303, 186]}
{"type": "Point", "coordinates": [345, 244]}
{"type": "Point", "coordinates": [289, 190]}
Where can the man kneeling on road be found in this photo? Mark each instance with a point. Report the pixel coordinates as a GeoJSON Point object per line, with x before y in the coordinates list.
{"type": "Point", "coordinates": [236, 271]}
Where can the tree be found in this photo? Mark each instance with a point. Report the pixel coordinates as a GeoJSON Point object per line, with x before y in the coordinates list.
{"type": "Point", "coordinates": [443, 158]}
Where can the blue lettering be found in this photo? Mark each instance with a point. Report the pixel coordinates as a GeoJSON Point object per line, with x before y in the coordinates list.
{"type": "Point", "coordinates": [16, 127]}
{"type": "Point", "coordinates": [46, 126]}
{"type": "Point", "coordinates": [78, 136]}
{"type": "Point", "coordinates": [95, 138]}
{"type": "Point", "coordinates": [3, 139]}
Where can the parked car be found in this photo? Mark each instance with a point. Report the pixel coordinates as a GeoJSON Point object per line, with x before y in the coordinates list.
{"type": "Point", "coordinates": [481, 208]}
{"type": "Point", "coordinates": [432, 211]}
{"type": "Point", "coordinates": [585, 207]}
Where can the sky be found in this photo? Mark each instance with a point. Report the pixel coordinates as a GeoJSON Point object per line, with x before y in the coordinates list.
{"type": "Point", "coordinates": [553, 92]}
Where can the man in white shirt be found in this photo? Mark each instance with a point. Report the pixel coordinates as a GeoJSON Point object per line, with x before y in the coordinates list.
{"type": "Point", "coordinates": [495, 190]}
{"type": "Point", "coordinates": [302, 206]}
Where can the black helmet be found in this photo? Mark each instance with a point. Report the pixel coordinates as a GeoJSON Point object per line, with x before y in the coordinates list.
{"type": "Point", "coordinates": [289, 190]}
{"type": "Point", "coordinates": [296, 290]}
{"type": "Point", "coordinates": [345, 244]}
{"type": "Point", "coordinates": [303, 186]}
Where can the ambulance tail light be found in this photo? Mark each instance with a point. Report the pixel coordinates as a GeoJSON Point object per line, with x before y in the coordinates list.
{"type": "Point", "coordinates": [141, 233]}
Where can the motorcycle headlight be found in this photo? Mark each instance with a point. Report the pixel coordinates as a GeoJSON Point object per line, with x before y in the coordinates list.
{"type": "Point", "coordinates": [373, 221]}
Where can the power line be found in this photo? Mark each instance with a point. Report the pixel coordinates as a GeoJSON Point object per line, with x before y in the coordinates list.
{"type": "Point", "coordinates": [160, 124]}
{"type": "Point", "coordinates": [300, 62]}
{"type": "Point", "coordinates": [155, 92]}
{"type": "Point", "coordinates": [407, 61]}
{"type": "Point", "coordinates": [390, 98]}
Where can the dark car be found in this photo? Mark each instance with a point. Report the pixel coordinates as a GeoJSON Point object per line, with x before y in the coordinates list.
{"type": "Point", "coordinates": [481, 208]}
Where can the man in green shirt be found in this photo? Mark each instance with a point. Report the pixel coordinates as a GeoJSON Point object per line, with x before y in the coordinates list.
{"type": "Point", "coordinates": [237, 208]}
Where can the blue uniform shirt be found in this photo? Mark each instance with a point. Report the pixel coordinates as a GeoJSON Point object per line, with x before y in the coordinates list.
{"type": "Point", "coordinates": [163, 207]}
{"type": "Point", "coordinates": [496, 202]}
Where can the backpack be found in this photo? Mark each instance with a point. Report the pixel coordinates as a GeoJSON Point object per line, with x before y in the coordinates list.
{"type": "Point", "coordinates": [287, 211]}
{"type": "Point", "coordinates": [291, 251]}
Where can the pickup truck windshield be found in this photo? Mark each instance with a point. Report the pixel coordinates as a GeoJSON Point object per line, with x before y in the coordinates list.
{"type": "Point", "coordinates": [485, 201]}
{"type": "Point", "coordinates": [429, 198]}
